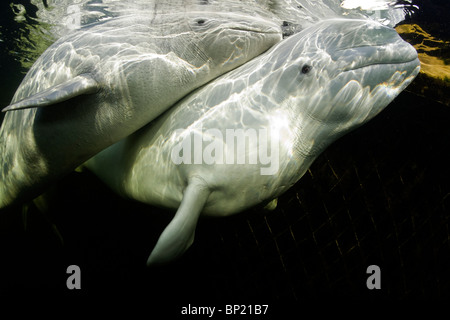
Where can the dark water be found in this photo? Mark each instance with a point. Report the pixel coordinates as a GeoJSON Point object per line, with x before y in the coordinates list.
{"type": "Point", "coordinates": [378, 196]}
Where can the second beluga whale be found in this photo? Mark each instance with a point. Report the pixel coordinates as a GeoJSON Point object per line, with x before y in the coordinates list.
{"type": "Point", "coordinates": [251, 134]}
{"type": "Point", "coordinates": [101, 83]}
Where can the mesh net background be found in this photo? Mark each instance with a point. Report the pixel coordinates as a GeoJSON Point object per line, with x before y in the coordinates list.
{"type": "Point", "coordinates": [379, 196]}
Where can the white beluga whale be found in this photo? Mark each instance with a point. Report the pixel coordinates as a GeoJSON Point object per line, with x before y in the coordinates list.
{"type": "Point", "coordinates": [249, 135]}
{"type": "Point", "coordinates": [101, 83]}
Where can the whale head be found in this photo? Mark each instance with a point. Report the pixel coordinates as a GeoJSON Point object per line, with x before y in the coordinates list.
{"type": "Point", "coordinates": [339, 74]}
{"type": "Point", "coordinates": [230, 39]}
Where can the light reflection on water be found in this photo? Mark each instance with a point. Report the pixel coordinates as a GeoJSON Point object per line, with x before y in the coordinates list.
{"type": "Point", "coordinates": [42, 22]}
{"type": "Point", "coordinates": [35, 24]}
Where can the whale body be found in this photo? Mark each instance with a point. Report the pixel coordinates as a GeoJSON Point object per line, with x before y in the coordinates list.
{"type": "Point", "coordinates": [101, 83]}
{"type": "Point", "coordinates": [252, 133]}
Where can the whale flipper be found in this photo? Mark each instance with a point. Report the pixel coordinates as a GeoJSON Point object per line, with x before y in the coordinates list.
{"type": "Point", "coordinates": [178, 236]}
{"type": "Point", "coordinates": [272, 205]}
{"type": "Point", "coordinates": [82, 84]}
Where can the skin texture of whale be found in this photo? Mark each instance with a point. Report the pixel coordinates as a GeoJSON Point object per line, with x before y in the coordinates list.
{"type": "Point", "coordinates": [101, 83]}
{"type": "Point", "coordinates": [290, 103]}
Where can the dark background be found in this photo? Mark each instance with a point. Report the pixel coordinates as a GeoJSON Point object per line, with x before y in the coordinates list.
{"type": "Point", "coordinates": [378, 196]}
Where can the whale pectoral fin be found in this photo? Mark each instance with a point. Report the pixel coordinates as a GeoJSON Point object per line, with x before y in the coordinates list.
{"type": "Point", "coordinates": [178, 236]}
{"type": "Point", "coordinates": [82, 84]}
{"type": "Point", "coordinates": [272, 205]}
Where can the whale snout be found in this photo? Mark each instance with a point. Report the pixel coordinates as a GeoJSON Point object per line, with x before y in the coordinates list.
{"type": "Point", "coordinates": [236, 21]}
{"type": "Point", "coordinates": [363, 43]}
{"type": "Point", "coordinates": [237, 40]}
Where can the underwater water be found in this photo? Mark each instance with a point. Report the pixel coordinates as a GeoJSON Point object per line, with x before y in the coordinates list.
{"type": "Point", "coordinates": [378, 196]}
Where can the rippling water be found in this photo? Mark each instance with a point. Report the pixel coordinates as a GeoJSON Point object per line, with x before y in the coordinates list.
{"type": "Point", "coordinates": [378, 196]}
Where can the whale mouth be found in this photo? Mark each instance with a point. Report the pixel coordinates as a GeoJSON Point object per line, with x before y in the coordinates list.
{"type": "Point", "coordinates": [256, 25]}
{"type": "Point", "coordinates": [406, 64]}
{"type": "Point", "coordinates": [269, 30]}
{"type": "Point", "coordinates": [392, 65]}
{"type": "Point", "coordinates": [390, 54]}
{"type": "Point", "coordinates": [393, 74]}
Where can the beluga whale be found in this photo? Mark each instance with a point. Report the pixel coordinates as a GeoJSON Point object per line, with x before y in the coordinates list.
{"type": "Point", "coordinates": [102, 82]}
{"type": "Point", "coordinates": [249, 135]}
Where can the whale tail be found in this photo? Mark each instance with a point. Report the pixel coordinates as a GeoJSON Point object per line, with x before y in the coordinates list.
{"type": "Point", "coordinates": [178, 236]}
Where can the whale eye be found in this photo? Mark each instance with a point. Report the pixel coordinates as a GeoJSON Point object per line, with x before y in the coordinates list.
{"type": "Point", "coordinates": [306, 69]}
{"type": "Point", "coordinates": [201, 22]}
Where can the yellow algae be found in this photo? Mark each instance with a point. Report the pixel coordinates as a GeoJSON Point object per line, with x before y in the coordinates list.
{"type": "Point", "coordinates": [434, 78]}
{"type": "Point", "coordinates": [425, 43]}
{"type": "Point", "coordinates": [434, 67]}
